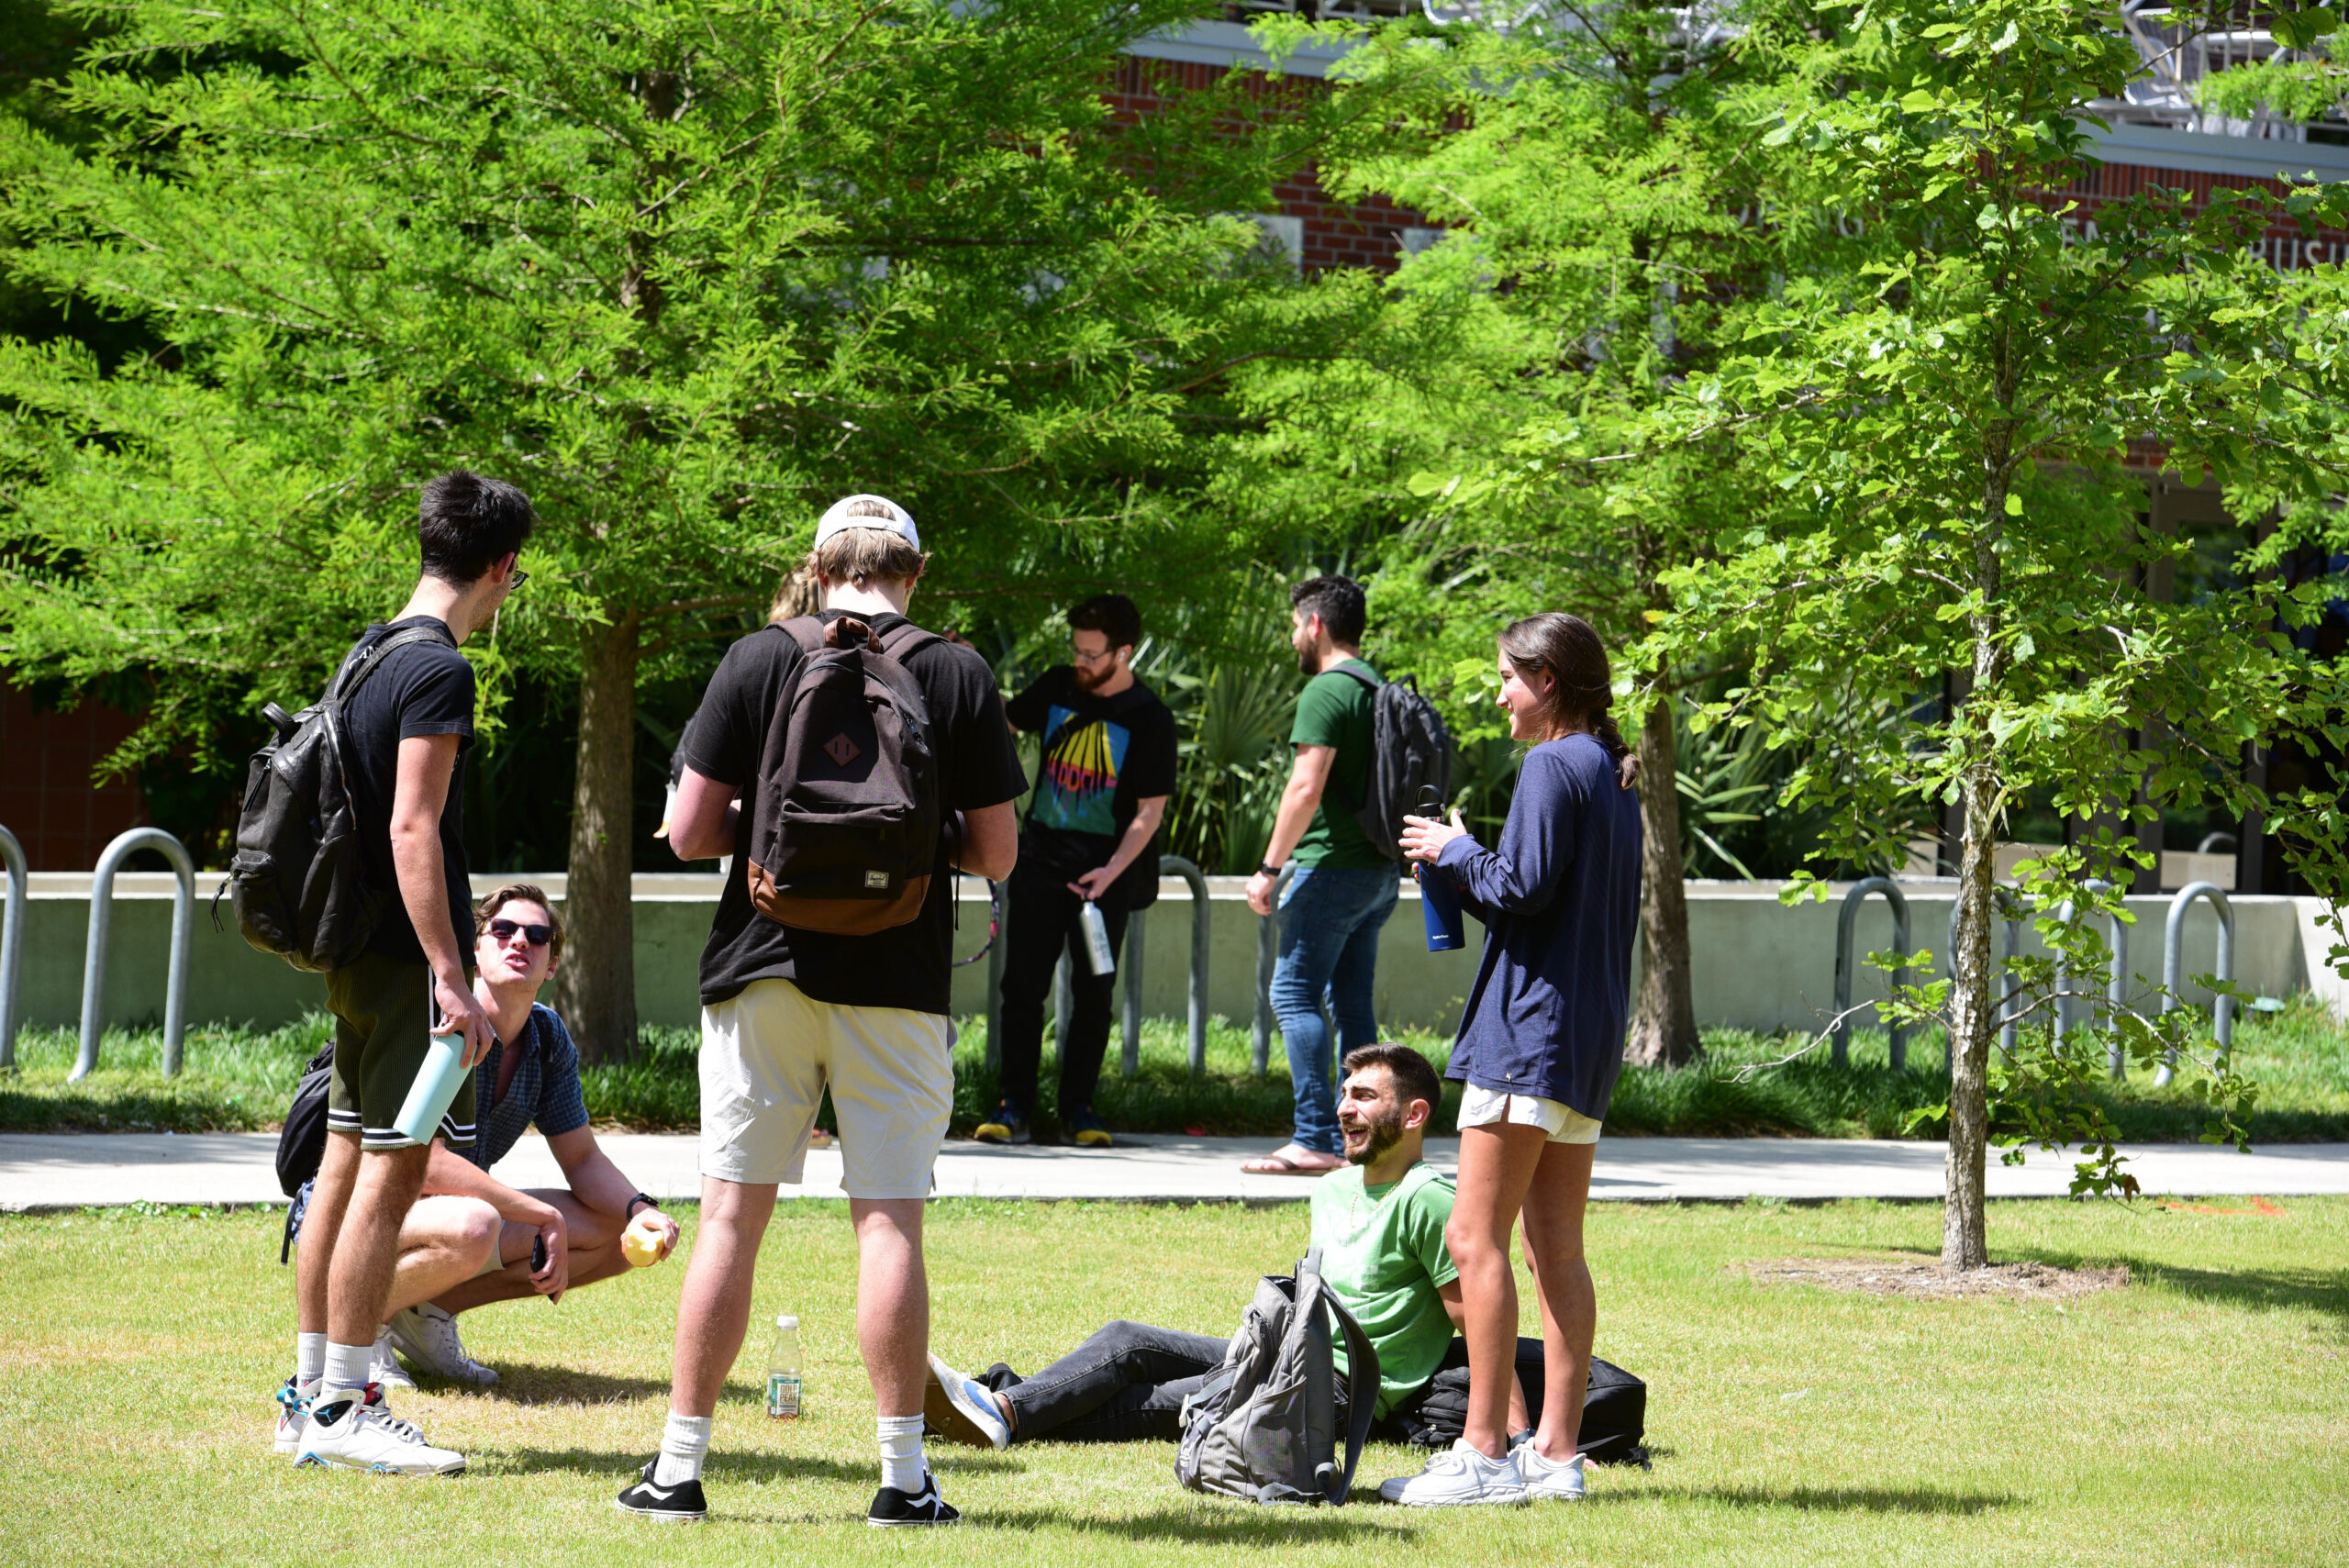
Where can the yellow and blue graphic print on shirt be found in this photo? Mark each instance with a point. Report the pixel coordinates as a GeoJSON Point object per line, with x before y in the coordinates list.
{"type": "Point", "coordinates": [1077, 789]}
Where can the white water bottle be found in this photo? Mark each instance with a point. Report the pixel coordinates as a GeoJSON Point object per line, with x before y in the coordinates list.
{"type": "Point", "coordinates": [783, 1371]}
{"type": "Point", "coordinates": [1097, 956]}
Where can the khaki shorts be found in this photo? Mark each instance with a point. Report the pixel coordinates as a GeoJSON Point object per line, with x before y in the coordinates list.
{"type": "Point", "coordinates": [443, 1213]}
{"type": "Point", "coordinates": [767, 1055]}
{"type": "Point", "coordinates": [1491, 1108]}
{"type": "Point", "coordinates": [383, 1020]}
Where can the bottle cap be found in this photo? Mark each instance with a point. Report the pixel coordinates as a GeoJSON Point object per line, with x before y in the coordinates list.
{"type": "Point", "coordinates": [786, 1322]}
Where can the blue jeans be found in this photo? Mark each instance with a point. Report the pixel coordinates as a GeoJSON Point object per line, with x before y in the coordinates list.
{"type": "Point", "coordinates": [1329, 945]}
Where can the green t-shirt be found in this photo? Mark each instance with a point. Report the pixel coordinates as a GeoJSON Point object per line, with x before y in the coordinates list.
{"type": "Point", "coordinates": [1334, 710]}
{"type": "Point", "coordinates": [1382, 1253]}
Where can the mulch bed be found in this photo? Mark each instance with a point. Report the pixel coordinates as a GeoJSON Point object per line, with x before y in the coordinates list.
{"type": "Point", "coordinates": [1927, 1281]}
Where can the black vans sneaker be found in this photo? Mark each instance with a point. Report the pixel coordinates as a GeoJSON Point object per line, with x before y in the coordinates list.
{"type": "Point", "coordinates": [892, 1508]}
{"type": "Point", "coordinates": [680, 1505]}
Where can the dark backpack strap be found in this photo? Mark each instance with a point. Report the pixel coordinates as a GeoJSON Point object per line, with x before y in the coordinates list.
{"type": "Point", "coordinates": [1365, 676]}
{"type": "Point", "coordinates": [905, 640]}
{"type": "Point", "coordinates": [1362, 1390]}
{"type": "Point", "coordinates": [360, 665]}
{"type": "Point", "coordinates": [806, 630]}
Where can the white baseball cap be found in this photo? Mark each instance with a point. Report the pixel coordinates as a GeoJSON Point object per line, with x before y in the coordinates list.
{"type": "Point", "coordinates": [898, 521]}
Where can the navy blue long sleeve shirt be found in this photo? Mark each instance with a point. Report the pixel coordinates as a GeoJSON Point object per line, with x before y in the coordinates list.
{"type": "Point", "coordinates": [1560, 903]}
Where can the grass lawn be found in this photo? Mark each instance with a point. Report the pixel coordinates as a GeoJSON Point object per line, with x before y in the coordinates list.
{"type": "Point", "coordinates": [2194, 1417]}
{"type": "Point", "coordinates": [240, 1079]}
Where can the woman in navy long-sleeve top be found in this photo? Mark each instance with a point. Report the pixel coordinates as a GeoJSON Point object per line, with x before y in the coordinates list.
{"type": "Point", "coordinates": [1539, 1046]}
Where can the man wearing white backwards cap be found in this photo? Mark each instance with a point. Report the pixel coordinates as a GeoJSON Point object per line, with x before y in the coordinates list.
{"type": "Point", "coordinates": [816, 997]}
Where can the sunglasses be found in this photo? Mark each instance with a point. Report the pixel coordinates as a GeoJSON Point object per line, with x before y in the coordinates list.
{"type": "Point", "coordinates": [516, 579]}
{"type": "Point", "coordinates": [503, 930]}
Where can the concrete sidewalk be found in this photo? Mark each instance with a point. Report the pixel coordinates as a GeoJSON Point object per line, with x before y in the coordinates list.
{"type": "Point", "coordinates": [51, 1171]}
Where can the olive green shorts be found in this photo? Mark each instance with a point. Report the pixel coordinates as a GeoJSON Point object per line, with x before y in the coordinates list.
{"type": "Point", "coordinates": [382, 1021]}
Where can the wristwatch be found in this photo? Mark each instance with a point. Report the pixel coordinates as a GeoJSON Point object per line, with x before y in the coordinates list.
{"type": "Point", "coordinates": [1268, 869]}
{"type": "Point", "coordinates": [645, 1199]}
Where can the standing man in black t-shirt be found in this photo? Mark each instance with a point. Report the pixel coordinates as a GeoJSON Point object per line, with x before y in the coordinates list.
{"type": "Point", "coordinates": [787, 1012]}
{"type": "Point", "coordinates": [404, 740]}
{"type": "Point", "coordinates": [1102, 782]}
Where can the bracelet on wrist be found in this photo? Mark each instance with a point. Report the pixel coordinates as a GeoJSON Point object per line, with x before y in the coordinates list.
{"type": "Point", "coordinates": [1268, 869]}
{"type": "Point", "coordinates": [646, 1199]}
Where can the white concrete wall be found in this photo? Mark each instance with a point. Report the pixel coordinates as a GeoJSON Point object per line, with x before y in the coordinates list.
{"type": "Point", "coordinates": [1759, 965]}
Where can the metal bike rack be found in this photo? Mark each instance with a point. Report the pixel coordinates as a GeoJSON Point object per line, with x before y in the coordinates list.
{"type": "Point", "coordinates": [93, 962]}
{"type": "Point", "coordinates": [1176, 865]}
{"type": "Point", "coordinates": [995, 975]}
{"type": "Point", "coordinates": [1845, 919]}
{"type": "Point", "coordinates": [2116, 984]}
{"type": "Point", "coordinates": [2009, 913]}
{"type": "Point", "coordinates": [12, 947]}
{"type": "Point", "coordinates": [2173, 959]}
{"type": "Point", "coordinates": [1130, 995]}
{"type": "Point", "coordinates": [1268, 941]}
{"type": "Point", "coordinates": [1130, 1052]}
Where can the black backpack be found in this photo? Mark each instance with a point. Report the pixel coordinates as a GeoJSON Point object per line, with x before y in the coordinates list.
{"type": "Point", "coordinates": [1410, 752]}
{"type": "Point", "coordinates": [845, 820]}
{"type": "Point", "coordinates": [1263, 1426]}
{"type": "Point", "coordinates": [301, 1141]}
{"type": "Point", "coordinates": [296, 881]}
{"type": "Point", "coordinates": [1614, 1413]}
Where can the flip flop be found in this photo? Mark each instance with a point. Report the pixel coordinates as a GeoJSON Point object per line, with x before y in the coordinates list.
{"type": "Point", "coordinates": [1281, 1165]}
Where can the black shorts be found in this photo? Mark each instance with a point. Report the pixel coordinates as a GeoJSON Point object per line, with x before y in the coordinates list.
{"type": "Point", "coordinates": [383, 1023]}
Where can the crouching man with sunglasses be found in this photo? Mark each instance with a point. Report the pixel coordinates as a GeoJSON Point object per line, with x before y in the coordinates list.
{"type": "Point", "coordinates": [469, 1240]}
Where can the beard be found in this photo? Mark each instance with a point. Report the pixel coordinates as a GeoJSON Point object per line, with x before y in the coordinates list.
{"type": "Point", "coordinates": [1307, 662]}
{"type": "Point", "coordinates": [1386, 1132]}
{"type": "Point", "coordinates": [1091, 677]}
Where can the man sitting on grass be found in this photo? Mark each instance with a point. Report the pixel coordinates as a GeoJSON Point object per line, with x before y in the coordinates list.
{"type": "Point", "coordinates": [1379, 1223]}
{"type": "Point", "coordinates": [470, 1239]}
{"type": "Point", "coordinates": [530, 1076]}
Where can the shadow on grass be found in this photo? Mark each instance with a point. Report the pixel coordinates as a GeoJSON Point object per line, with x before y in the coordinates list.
{"type": "Point", "coordinates": [2271, 1289]}
{"type": "Point", "coordinates": [524, 1383]}
{"type": "Point", "coordinates": [1242, 1525]}
{"type": "Point", "coordinates": [725, 1467]}
{"type": "Point", "coordinates": [1828, 1500]}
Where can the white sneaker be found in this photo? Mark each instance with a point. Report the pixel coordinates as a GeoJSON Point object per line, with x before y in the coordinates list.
{"type": "Point", "coordinates": [367, 1436]}
{"type": "Point", "coordinates": [292, 1414]}
{"type": "Point", "coordinates": [1455, 1478]}
{"type": "Point", "coordinates": [1547, 1478]}
{"type": "Point", "coordinates": [428, 1336]}
{"type": "Point", "coordinates": [385, 1368]}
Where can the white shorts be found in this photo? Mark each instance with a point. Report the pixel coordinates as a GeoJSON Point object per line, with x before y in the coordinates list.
{"type": "Point", "coordinates": [767, 1054]}
{"type": "Point", "coordinates": [1491, 1108]}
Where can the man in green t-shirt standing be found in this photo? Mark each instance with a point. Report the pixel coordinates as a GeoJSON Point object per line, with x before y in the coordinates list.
{"type": "Point", "coordinates": [1343, 888]}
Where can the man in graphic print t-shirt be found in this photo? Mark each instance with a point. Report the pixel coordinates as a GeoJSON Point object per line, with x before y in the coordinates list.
{"type": "Point", "coordinates": [1106, 770]}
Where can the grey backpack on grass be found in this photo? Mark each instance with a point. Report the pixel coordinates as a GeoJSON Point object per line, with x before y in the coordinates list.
{"type": "Point", "coordinates": [1265, 1426]}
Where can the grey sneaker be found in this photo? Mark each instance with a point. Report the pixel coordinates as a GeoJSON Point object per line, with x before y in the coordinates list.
{"type": "Point", "coordinates": [385, 1368]}
{"type": "Point", "coordinates": [1458, 1477]}
{"type": "Point", "coordinates": [1549, 1479]}
{"type": "Point", "coordinates": [428, 1337]}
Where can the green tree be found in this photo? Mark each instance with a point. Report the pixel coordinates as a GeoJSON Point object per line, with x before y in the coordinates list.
{"type": "Point", "coordinates": [1950, 398]}
{"type": "Point", "coordinates": [1591, 196]}
{"type": "Point", "coordinates": [683, 271]}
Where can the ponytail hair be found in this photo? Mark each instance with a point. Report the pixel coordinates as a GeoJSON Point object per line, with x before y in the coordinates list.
{"type": "Point", "coordinates": [1582, 690]}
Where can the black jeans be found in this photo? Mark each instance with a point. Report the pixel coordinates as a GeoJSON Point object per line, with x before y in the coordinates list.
{"type": "Point", "coordinates": [1041, 919]}
{"type": "Point", "coordinates": [1129, 1381]}
{"type": "Point", "coordinates": [1126, 1381]}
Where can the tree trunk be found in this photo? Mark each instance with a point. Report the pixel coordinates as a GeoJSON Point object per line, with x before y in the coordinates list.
{"type": "Point", "coordinates": [1664, 1026]}
{"type": "Point", "coordinates": [595, 987]}
{"type": "Point", "coordinates": [1973, 1022]}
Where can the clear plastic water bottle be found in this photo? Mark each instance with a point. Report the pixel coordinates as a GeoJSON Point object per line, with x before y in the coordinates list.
{"type": "Point", "coordinates": [783, 1371]}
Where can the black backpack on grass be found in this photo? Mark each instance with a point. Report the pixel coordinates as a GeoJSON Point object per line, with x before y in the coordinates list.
{"type": "Point", "coordinates": [301, 1141]}
{"type": "Point", "coordinates": [1410, 752]}
{"type": "Point", "coordinates": [296, 881]}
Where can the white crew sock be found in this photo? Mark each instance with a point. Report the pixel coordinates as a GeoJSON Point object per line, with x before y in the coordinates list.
{"type": "Point", "coordinates": [346, 1370]}
{"type": "Point", "coordinates": [309, 1358]}
{"type": "Point", "coordinates": [902, 1465]}
{"type": "Point", "coordinates": [685, 1443]}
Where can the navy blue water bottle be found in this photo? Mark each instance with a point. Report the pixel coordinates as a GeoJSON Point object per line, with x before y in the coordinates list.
{"type": "Point", "coordinates": [1439, 900]}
